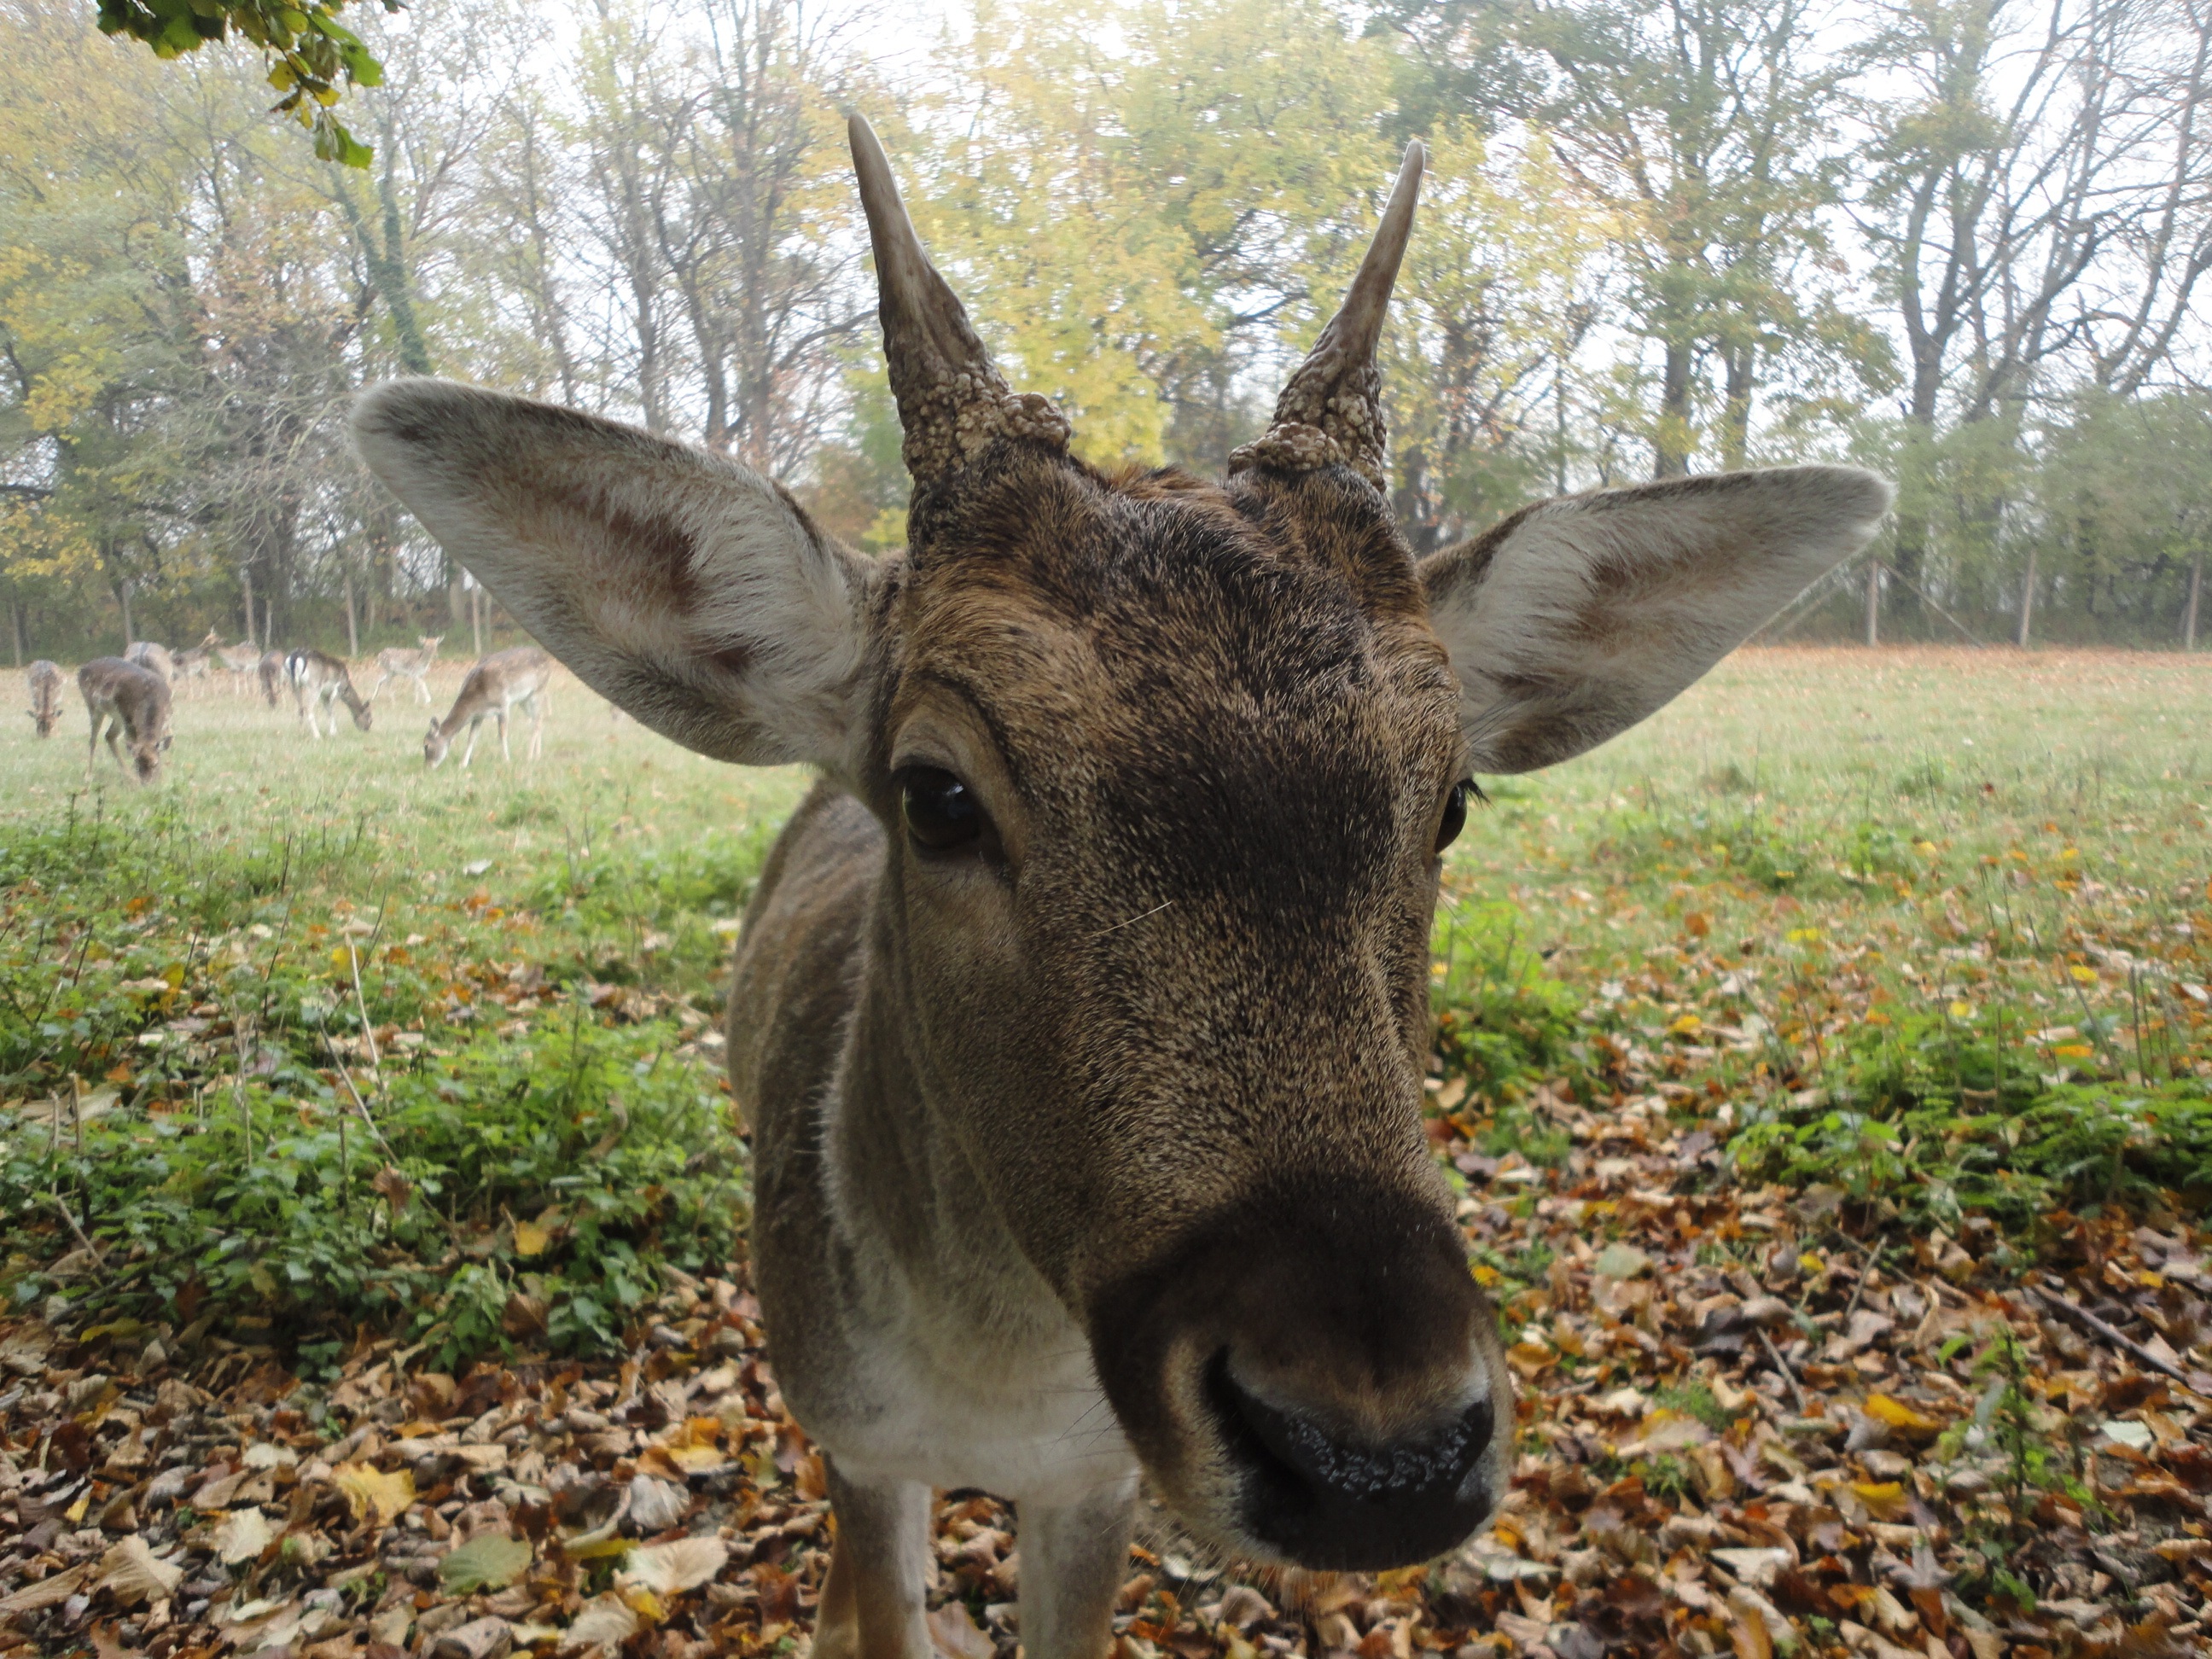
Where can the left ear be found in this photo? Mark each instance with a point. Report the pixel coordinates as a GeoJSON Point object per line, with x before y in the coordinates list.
{"type": "Point", "coordinates": [1577, 617]}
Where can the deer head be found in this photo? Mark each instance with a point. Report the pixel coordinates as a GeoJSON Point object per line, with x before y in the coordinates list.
{"type": "Point", "coordinates": [1164, 769]}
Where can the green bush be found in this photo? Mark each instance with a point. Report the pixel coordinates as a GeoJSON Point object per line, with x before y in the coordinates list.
{"type": "Point", "coordinates": [278, 1201]}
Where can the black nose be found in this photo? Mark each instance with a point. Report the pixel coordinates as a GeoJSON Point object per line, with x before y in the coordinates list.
{"type": "Point", "coordinates": [1328, 1502]}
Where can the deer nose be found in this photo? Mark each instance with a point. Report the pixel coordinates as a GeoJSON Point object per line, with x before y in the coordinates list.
{"type": "Point", "coordinates": [1330, 1500]}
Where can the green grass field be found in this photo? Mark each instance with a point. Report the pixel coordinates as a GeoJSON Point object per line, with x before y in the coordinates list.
{"type": "Point", "coordinates": [308, 1036]}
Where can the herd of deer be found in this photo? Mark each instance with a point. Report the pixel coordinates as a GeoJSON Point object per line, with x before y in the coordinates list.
{"type": "Point", "coordinates": [129, 697]}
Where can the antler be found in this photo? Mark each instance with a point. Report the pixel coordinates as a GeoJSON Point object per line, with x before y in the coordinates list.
{"type": "Point", "coordinates": [1331, 412]}
{"type": "Point", "coordinates": [952, 402]}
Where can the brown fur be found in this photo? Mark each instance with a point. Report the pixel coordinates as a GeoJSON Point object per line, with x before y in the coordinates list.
{"type": "Point", "coordinates": [125, 699]}
{"type": "Point", "coordinates": [1094, 1142]}
{"type": "Point", "coordinates": [319, 679]}
{"type": "Point", "coordinates": [45, 681]}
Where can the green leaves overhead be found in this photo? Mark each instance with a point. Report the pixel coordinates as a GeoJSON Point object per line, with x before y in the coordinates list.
{"type": "Point", "coordinates": [310, 52]}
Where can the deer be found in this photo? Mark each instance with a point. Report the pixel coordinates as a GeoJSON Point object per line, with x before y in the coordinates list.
{"type": "Point", "coordinates": [193, 664]}
{"type": "Point", "coordinates": [496, 684]}
{"type": "Point", "coordinates": [396, 662]}
{"type": "Point", "coordinates": [242, 661]}
{"type": "Point", "coordinates": [129, 700]}
{"type": "Point", "coordinates": [45, 680]}
{"type": "Point", "coordinates": [1081, 1013]}
{"type": "Point", "coordinates": [318, 680]}
{"type": "Point", "coordinates": [154, 658]}
{"type": "Point", "coordinates": [270, 671]}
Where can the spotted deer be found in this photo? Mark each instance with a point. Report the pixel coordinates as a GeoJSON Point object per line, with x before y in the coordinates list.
{"type": "Point", "coordinates": [270, 671]}
{"type": "Point", "coordinates": [318, 680]}
{"type": "Point", "coordinates": [496, 684]}
{"type": "Point", "coordinates": [239, 661]}
{"type": "Point", "coordinates": [43, 680]}
{"type": "Point", "coordinates": [1082, 1009]}
{"type": "Point", "coordinates": [396, 662]}
{"type": "Point", "coordinates": [154, 659]}
{"type": "Point", "coordinates": [127, 700]}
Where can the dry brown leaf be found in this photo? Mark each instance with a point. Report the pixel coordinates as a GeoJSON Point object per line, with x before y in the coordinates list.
{"type": "Point", "coordinates": [670, 1569]}
{"type": "Point", "coordinates": [130, 1573]}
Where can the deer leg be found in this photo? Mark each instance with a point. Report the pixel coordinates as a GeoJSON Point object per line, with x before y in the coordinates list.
{"type": "Point", "coordinates": [422, 685]}
{"type": "Point", "coordinates": [504, 753]}
{"type": "Point", "coordinates": [879, 1570]}
{"type": "Point", "coordinates": [471, 748]}
{"type": "Point", "coordinates": [537, 728]}
{"type": "Point", "coordinates": [1074, 1557]}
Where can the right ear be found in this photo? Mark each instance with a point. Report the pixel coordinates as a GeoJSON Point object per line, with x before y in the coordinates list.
{"type": "Point", "coordinates": [680, 586]}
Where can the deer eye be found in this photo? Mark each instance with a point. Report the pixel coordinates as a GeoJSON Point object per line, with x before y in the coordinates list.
{"type": "Point", "coordinates": [942, 813]}
{"type": "Point", "coordinates": [1454, 819]}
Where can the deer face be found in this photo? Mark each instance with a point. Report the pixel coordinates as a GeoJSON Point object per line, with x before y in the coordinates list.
{"type": "Point", "coordinates": [364, 715]}
{"type": "Point", "coordinates": [433, 748]}
{"type": "Point", "coordinates": [1164, 769]}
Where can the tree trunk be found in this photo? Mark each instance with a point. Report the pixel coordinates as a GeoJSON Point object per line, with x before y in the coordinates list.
{"type": "Point", "coordinates": [1874, 602]}
{"type": "Point", "coordinates": [2188, 618]}
{"type": "Point", "coordinates": [475, 618]}
{"type": "Point", "coordinates": [353, 632]}
{"type": "Point", "coordinates": [122, 596]}
{"type": "Point", "coordinates": [1671, 448]}
{"type": "Point", "coordinates": [2026, 601]}
{"type": "Point", "coordinates": [1735, 421]}
{"type": "Point", "coordinates": [246, 581]}
{"type": "Point", "coordinates": [16, 626]}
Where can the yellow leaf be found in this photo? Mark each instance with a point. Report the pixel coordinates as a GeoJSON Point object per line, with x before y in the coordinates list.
{"type": "Point", "coordinates": [1900, 1416]}
{"type": "Point", "coordinates": [531, 1239]}
{"type": "Point", "coordinates": [369, 1491]}
{"type": "Point", "coordinates": [1885, 1499]}
{"type": "Point", "coordinates": [2086, 976]}
{"type": "Point", "coordinates": [1688, 1025]}
{"type": "Point", "coordinates": [2072, 1051]}
{"type": "Point", "coordinates": [1962, 1010]}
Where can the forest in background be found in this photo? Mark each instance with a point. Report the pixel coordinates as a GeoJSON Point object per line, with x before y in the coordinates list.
{"type": "Point", "coordinates": [1958, 241]}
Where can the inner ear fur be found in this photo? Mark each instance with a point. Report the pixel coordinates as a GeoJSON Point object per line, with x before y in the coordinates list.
{"type": "Point", "coordinates": [682, 587]}
{"type": "Point", "coordinates": [1577, 617]}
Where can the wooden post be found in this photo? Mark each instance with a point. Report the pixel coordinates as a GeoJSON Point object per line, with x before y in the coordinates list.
{"type": "Point", "coordinates": [2026, 601]}
{"type": "Point", "coordinates": [1874, 602]}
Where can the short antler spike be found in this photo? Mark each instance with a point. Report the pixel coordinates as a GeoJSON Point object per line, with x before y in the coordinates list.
{"type": "Point", "coordinates": [952, 402]}
{"type": "Point", "coordinates": [1331, 412]}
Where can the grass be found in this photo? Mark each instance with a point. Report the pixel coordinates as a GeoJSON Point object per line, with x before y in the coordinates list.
{"type": "Point", "coordinates": [1929, 926]}
{"type": "Point", "coordinates": [307, 1038]}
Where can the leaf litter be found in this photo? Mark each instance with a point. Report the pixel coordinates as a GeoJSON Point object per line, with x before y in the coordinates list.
{"type": "Point", "coordinates": [1744, 1431]}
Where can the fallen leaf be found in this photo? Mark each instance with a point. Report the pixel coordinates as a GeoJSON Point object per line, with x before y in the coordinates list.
{"type": "Point", "coordinates": [491, 1561]}
{"type": "Point", "coordinates": [670, 1569]}
{"type": "Point", "coordinates": [130, 1573]}
{"type": "Point", "coordinates": [369, 1491]}
{"type": "Point", "coordinates": [243, 1534]}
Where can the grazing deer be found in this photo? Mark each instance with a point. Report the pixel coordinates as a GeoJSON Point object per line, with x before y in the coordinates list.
{"type": "Point", "coordinates": [396, 662]}
{"type": "Point", "coordinates": [269, 671]}
{"type": "Point", "coordinates": [124, 697]}
{"type": "Point", "coordinates": [193, 664]}
{"type": "Point", "coordinates": [154, 658]}
{"type": "Point", "coordinates": [318, 680]}
{"type": "Point", "coordinates": [1083, 1007]}
{"type": "Point", "coordinates": [496, 684]}
{"type": "Point", "coordinates": [240, 660]}
{"type": "Point", "coordinates": [45, 684]}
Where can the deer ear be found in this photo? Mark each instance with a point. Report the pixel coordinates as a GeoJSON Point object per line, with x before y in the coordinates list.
{"type": "Point", "coordinates": [1577, 617]}
{"type": "Point", "coordinates": [678, 585]}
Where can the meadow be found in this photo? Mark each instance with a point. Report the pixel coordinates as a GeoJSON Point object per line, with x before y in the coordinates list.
{"type": "Point", "coordinates": [1862, 914]}
{"type": "Point", "coordinates": [1825, 1067]}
